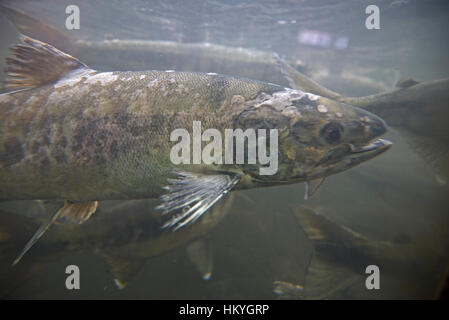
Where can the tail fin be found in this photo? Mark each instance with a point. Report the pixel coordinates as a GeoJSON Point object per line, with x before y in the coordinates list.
{"type": "Point", "coordinates": [331, 267]}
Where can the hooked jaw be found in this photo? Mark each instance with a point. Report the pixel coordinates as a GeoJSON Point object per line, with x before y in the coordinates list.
{"type": "Point", "coordinates": [368, 151]}
{"type": "Point", "coordinates": [376, 145]}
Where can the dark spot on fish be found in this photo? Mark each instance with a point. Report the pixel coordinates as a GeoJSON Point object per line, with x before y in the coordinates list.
{"type": "Point", "coordinates": [114, 150]}
{"type": "Point", "coordinates": [218, 85]}
{"type": "Point", "coordinates": [13, 152]}
{"type": "Point", "coordinates": [44, 162]}
{"type": "Point", "coordinates": [82, 136]}
{"type": "Point", "coordinates": [59, 155]}
{"type": "Point", "coordinates": [58, 151]}
{"type": "Point", "coordinates": [63, 142]}
{"type": "Point", "coordinates": [35, 145]}
{"type": "Point", "coordinates": [45, 139]}
{"type": "Point", "coordinates": [136, 131]}
{"type": "Point", "coordinates": [77, 142]}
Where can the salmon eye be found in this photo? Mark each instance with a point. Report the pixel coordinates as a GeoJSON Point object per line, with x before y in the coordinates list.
{"type": "Point", "coordinates": [332, 132]}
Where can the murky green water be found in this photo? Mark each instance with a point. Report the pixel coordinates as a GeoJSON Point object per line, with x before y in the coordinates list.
{"type": "Point", "coordinates": [393, 198]}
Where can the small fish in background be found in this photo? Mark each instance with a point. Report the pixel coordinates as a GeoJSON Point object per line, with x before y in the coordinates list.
{"type": "Point", "coordinates": [418, 110]}
{"type": "Point", "coordinates": [330, 269]}
{"type": "Point", "coordinates": [126, 235]}
{"type": "Point", "coordinates": [340, 255]}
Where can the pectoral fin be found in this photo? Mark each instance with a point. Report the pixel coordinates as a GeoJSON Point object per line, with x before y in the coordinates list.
{"type": "Point", "coordinates": [312, 186]}
{"type": "Point", "coordinates": [191, 195]}
{"type": "Point", "coordinates": [75, 212]}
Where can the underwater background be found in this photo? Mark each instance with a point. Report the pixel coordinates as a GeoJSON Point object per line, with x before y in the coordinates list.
{"type": "Point", "coordinates": [393, 198]}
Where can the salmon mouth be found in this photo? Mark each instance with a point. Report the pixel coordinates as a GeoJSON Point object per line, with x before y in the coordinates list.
{"type": "Point", "coordinates": [376, 147]}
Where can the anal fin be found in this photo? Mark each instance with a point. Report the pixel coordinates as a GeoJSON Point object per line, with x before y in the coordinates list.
{"type": "Point", "coordinates": [75, 212]}
{"type": "Point", "coordinates": [78, 212]}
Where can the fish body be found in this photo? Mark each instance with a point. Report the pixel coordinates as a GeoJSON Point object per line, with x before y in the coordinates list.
{"type": "Point", "coordinates": [96, 136]}
{"type": "Point", "coordinates": [106, 135]}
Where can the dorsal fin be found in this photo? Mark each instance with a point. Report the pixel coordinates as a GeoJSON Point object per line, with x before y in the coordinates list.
{"type": "Point", "coordinates": [35, 63]}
